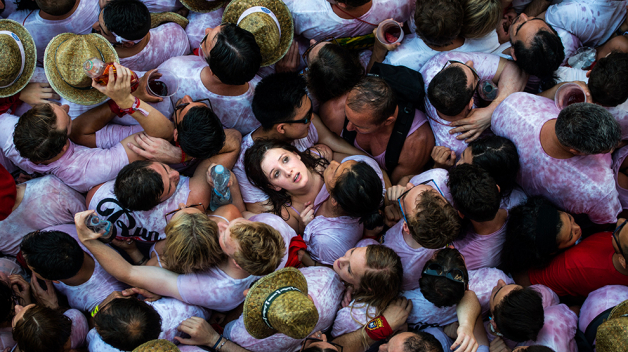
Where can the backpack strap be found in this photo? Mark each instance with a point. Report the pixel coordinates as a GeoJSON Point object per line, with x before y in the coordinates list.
{"type": "Point", "coordinates": [591, 330]}
{"type": "Point", "coordinates": [405, 117]}
{"type": "Point", "coordinates": [348, 136]}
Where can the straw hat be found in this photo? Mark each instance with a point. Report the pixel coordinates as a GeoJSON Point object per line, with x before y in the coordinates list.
{"type": "Point", "coordinates": [202, 5]}
{"type": "Point", "coordinates": [261, 17]}
{"type": "Point", "coordinates": [63, 63]}
{"type": "Point", "coordinates": [12, 36]}
{"type": "Point", "coordinates": [278, 302]}
{"type": "Point", "coordinates": [157, 346]}
{"type": "Point", "coordinates": [612, 335]}
{"type": "Point", "coordinates": [157, 19]}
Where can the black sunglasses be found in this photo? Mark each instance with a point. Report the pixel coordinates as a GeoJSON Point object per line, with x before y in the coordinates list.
{"type": "Point", "coordinates": [436, 269]}
{"type": "Point", "coordinates": [313, 339]}
{"type": "Point", "coordinates": [179, 107]}
{"type": "Point", "coordinates": [305, 120]}
{"type": "Point", "coordinates": [618, 230]}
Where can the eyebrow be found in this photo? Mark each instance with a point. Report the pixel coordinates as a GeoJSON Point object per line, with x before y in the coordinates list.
{"type": "Point", "coordinates": [349, 265]}
{"type": "Point", "coordinates": [521, 25]}
{"type": "Point", "coordinates": [278, 159]}
{"type": "Point", "coordinates": [496, 292]}
{"type": "Point", "coordinates": [169, 185]}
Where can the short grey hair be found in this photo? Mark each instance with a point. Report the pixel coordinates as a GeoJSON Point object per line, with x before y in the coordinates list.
{"type": "Point", "coordinates": [587, 128]}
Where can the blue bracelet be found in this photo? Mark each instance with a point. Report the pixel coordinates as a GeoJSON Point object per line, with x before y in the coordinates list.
{"type": "Point", "coordinates": [217, 342]}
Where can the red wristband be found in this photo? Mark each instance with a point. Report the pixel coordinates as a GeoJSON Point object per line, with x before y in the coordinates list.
{"type": "Point", "coordinates": [121, 112]}
{"type": "Point", "coordinates": [115, 108]}
{"type": "Point", "coordinates": [378, 328]}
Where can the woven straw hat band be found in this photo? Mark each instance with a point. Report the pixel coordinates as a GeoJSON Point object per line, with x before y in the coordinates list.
{"type": "Point", "coordinates": [294, 314]}
{"type": "Point", "coordinates": [10, 60]}
{"type": "Point", "coordinates": [70, 56]}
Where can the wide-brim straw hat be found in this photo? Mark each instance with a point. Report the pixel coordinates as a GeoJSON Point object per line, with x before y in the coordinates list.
{"type": "Point", "coordinates": [280, 300]}
{"type": "Point", "coordinates": [11, 58]}
{"type": "Point", "coordinates": [157, 346]}
{"type": "Point", "coordinates": [157, 19]}
{"type": "Point", "coordinates": [273, 42]}
{"type": "Point", "coordinates": [63, 63]}
{"type": "Point", "coordinates": [202, 5]}
{"type": "Point", "coordinates": [612, 335]}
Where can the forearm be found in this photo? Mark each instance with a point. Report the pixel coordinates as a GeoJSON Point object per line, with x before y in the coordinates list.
{"type": "Point", "coordinates": [336, 143]}
{"type": "Point", "coordinates": [85, 126]}
{"type": "Point", "coordinates": [479, 332]}
{"type": "Point", "coordinates": [236, 196]}
{"type": "Point", "coordinates": [229, 153]}
{"type": "Point", "coordinates": [155, 124]}
{"type": "Point", "coordinates": [357, 341]}
{"type": "Point", "coordinates": [536, 7]}
{"type": "Point", "coordinates": [510, 80]}
{"type": "Point", "coordinates": [550, 93]}
{"type": "Point", "coordinates": [379, 54]}
{"type": "Point", "coordinates": [468, 309]}
{"type": "Point", "coordinates": [111, 261]}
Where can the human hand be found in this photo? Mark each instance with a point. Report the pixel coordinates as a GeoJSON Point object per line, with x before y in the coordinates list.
{"type": "Point", "coordinates": [290, 62]}
{"type": "Point", "coordinates": [347, 297]}
{"type": "Point", "coordinates": [307, 214]}
{"type": "Point", "coordinates": [394, 192]}
{"type": "Point", "coordinates": [397, 312]}
{"type": "Point", "coordinates": [444, 158]}
{"type": "Point", "coordinates": [201, 333]}
{"type": "Point", "coordinates": [323, 151]}
{"type": "Point", "coordinates": [127, 245]}
{"type": "Point", "coordinates": [38, 93]}
{"type": "Point", "coordinates": [466, 341]}
{"type": "Point", "coordinates": [380, 47]}
{"type": "Point", "coordinates": [451, 330]}
{"type": "Point", "coordinates": [119, 86]}
{"type": "Point", "coordinates": [142, 90]}
{"type": "Point", "coordinates": [498, 345]}
{"type": "Point", "coordinates": [585, 87]}
{"type": "Point", "coordinates": [84, 233]}
{"type": "Point", "coordinates": [473, 125]}
{"type": "Point", "coordinates": [148, 296]}
{"type": "Point", "coordinates": [392, 215]}
{"type": "Point", "coordinates": [210, 180]}
{"type": "Point", "coordinates": [21, 288]}
{"type": "Point", "coordinates": [47, 297]}
{"type": "Point", "coordinates": [155, 149]}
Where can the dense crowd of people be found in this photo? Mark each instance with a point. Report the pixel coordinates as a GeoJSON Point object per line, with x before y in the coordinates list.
{"type": "Point", "coordinates": [313, 175]}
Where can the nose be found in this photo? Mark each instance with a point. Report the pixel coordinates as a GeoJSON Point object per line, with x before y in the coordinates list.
{"type": "Point", "coordinates": [350, 126]}
{"type": "Point", "coordinates": [523, 16]}
{"type": "Point", "coordinates": [96, 27]}
{"type": "Point", "coordinates": [469, 63]}
{"type": "Point", "coordinates": [207, 30]}
{"type": "Point", "coordinates": [186, 99]}
{"type": "Point", "coordinates": [312, 42]}
{"type": "Point", "coordinates": [501, 283]}
{"type": "Point", "coordinates": [65, 108]}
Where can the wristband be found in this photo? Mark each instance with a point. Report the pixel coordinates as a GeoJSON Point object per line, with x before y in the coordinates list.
{"type": "Point", "coordinates": [94, 312]}
{"type": "Point", "coordinates": [115, 108]}
{"type": "Point", "coordinates": [378, 328]}
{"type": "Point", "coordinates": [217, 342]}
{"type": "Point", "coordinates": [141, 262]}
{"type": "Point", "coordinates": [121, 112]}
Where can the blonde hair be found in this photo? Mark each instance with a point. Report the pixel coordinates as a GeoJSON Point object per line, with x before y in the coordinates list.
{"type": "Point", "coordinates": [192, 244]}
{"type": "Point", "coordinates": [480, 17]}
{"type": "Point", "coordinates": [261, 247]}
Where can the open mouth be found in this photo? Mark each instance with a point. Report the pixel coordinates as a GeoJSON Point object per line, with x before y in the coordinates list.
{"type": "Point", "coordinates": [297, 177]}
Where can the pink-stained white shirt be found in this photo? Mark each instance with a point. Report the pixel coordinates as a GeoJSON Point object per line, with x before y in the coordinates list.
{"type": "Point", "coordinates": [414, 53]}
{"type": "Point", "coordinates": [327, 238]}
{"type": "Point", "coordinates": [47, 202]}
{"type": "Point", "coordinates": [80, 168]}
{"type": "Point", "coordinates": [276, 222]}
{"type": "Point", "coordinates": [145, 226]}
{"type": "Point", "coordinates": [593, 22]}
{"type": "Point", "coordinates": [163, 5]}
{"type": "Point", "coordinates": [600, 300]}
{"type": "Point", "coordinates": [315, 19]}
{"type": "Point", "coordinates": [620, 113]}
{"type": "Point", "coordinates": [199, 22]}
{"type": "Point", "coordinates": [580, 185]}
{"type": "Point", "coordinates": [440, 177]}
{"type": "Point", "coordinates": [325, 288]}
{"type": "Point", "coordinates": [571, 43]}
{"type": "Point", "coordinates": [233, 111]}
{"type": "Point", "coordinates": [80, 22]}
{"type": "Point", "coordinates": [166, 41]}
{"type": "Point", "coordinates": [79, 328]}
{"type": "Point", "coordinates": [88, 295]}
{"type": "Point", "coordinates": [482, 251]}
{"type": "Point", "coordinates": [9, 7]}
{"type": "Point", "coordinates": [112, 134]}
{"type": "Point", "coordinates": [250, 193]}
{"type": "Point", "coordinates": [517, 196]}
{"type": "Point", "coordinates": [618, 158]}
{"type": "Point", "coordinates": [486, 67]}
{"type": "Point", "coordinates": [172, 313]}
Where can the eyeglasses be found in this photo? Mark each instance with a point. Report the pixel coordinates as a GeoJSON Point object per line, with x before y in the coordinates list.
{"type": "Point", "coordinates": [618, 230]}
{"type": "Point", "coordinates": [313, 340]}
{"type": "Point", "coordinates": [400, 198]}
{"type": "Point", "coordinates": [169, 215]}
{"type": "Point", "coordinates": [179, 107]}
{"type": "Point", "coordinates": [309, 49]}
{"type": "Point", "coordinates": [305, 120]}
{"type": "Point", "coordinates": [436, 269]}
{"type": "Point", "coordinates": [449, 62]}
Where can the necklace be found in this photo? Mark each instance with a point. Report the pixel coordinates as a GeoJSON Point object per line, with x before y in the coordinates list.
{"type": "Point", "coordinates": [348, 14]}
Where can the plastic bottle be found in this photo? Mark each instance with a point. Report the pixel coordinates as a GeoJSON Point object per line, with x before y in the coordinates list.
{"type": "Point", "coordinates": [96, 224]}
{"type": "Point", "coordinates": [221, 195]}
{"type": "Point", "coordinates": [97, 69]}
{"type": "Point", "coordinates": [487, 90]}
{"type": "Point", "coordinates": [583, 58]}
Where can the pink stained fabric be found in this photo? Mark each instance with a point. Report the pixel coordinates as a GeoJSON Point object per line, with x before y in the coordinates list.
{"type": "Point", "coordinates": [517, 196]}
{"type": "Point", "coordinates": [163, 5]}
{"type": "Point", "coordinates": [620, 113]}
{"type": "Point", "coordinates": [276, 222]}
{"type": "Point", "coordinates": [80, 22]}
{"type": "Point", "coordinates": [146, 226]}
{"type": "Point", "coordinates": [325, 288]}
{"type": "Point", "coordinates": [88, 295]}
{"type": "Point", "coordinates": [315, 19]}
{"type": "Point", "coordinates": [112, 134]}
{"type": "Point", "coordinates": [79, 328]}
{"type": "Point", "coordinates": [549, 297]}
{"type": "Point", "coordinates": [580, 185]}
{"type": "Point", "coordinates": [47, 202]}
{"type": "Point", "coordinates": [8, 164]}
{"type": "Point", "coordinates": [328, 239]}
{"type": "Point", "coordinates": [233, 111]}
{"type": "Point", "coordinates": [600, 300]}
{"type": "Point", "coordinates": [6, 338]}
{"type": "Point", "coordinates": [172, 313]}
{"type": "Point", "coordinates": [618, 158]}
{"type": "Point", "coordinates": [250, 193]}
{"type": "Point", "coordinates": [414, 53]}
{"type": "Point", "coordinates": [417, 122]}
{"type": "Point", "coordinates": [9, 8]}
{"type": "Point", "coordinates": [199, 22]}
{"type": "Point", "coordinates": [482, 251]}
{"type": "Point", "coordinates": [80, 168]}
{"type": "Point", "coordinates": [486, 67]}
{"type": "Point", "coordinates": [571, 43]}
{"type": "Point", "coordinates": [166, 41]}
{"type": "Point", "coordinates": [440, 177]}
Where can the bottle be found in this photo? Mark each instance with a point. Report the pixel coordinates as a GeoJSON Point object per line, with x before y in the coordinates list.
{"type": "Point", "coordinates": [221, 195]}
{"type": "Point", "coordinates": [97, 69]}
{"type": "Point", "coordinates": [96, 224]}
{"type": "Point", "coordinates": [487, 90]}
{"type": "Point", "coordinates": [583, 58]}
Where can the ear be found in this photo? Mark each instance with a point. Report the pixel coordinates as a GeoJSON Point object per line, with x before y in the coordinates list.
{"type": "Point", "coordinates": [460, 214]}
{"type": "Point", "coordinates": [222, 227]}
{"type": "Point", "coordinates": [281, 128]}
{"type": "Point", "coordinates": [405, 227]}
{"type": "Point", "coordinates": [236, 264]}
{"type": "Point", "coordinates": [512, 53]}
{"type": "Point", "coordinates": [176, 134]}
{"type": "Point", "coordinates": [588, 73]}
{"type": "Point", "coordinates": [622, 261]}
{"type": "Point", "coordinates": [492, 322]}
{"type": "Point", "coordinates": [470, 105]}
{"type": "Point", "coordinates": [334, 202]}
{"type": "Point", "coordinates": [498, 189]}
{"type": "Point", "coordinates": [128, 44]}
{"type": "Point", "coordinates": [575, 152]}
{"type": "Point", "coordinates": [389, 120]}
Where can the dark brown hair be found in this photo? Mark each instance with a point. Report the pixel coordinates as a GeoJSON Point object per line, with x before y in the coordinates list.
{"type": "Point", "coordinates": [42, 329]}
{"type": "Point", "coordinates": [36, 136]}
{"type": "Point", "coordinates": [438, 22]}
{"type": "Point", "coordinates": [382, 280]}
{"type": "Point", "coordinates": [435, 223]}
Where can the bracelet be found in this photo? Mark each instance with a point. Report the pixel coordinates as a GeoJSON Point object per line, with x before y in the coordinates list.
{"type": "Point", "coordinates": [223, 343]}
{"type": "Point", "coordinates": [217, 342]}
{"type": "Point", "coordinates": [378, 328]}
{"type": "Point", "coordinates": [135, 108]}
{"type": "Point", "coordinates": [141, 262]}
{"type": "Point", "coordinates": [94, 312]}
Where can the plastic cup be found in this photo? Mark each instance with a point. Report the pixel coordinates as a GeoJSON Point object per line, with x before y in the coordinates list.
{"type": "Point", "coordinates": [162, 83]}
{"type": "Point", "coordinates": [568, 94]}
{"type": "Point", "coordinates": [389, 32]}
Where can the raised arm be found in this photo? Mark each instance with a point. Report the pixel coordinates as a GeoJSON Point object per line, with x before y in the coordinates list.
{"type": "Point", "coordinates": [468, 311]}
{"type": "Point", "coordinates": [160, 281]}
{"type": "Point", "coordinates": [85, 126]}
{"type": "Point", "coordinates": [338, 145]}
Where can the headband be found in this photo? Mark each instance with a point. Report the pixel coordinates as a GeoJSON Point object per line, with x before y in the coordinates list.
{"type": "Point", "coordinates": [19, 44]}
{"type": "Point", "coordinates": [262, 9]}
{"type": "Point", "coordinates": [547, 220]}
{"type": "Point", "coordinates": [121, 40]}
{"type": "Point", "coordinates": [271, 298]}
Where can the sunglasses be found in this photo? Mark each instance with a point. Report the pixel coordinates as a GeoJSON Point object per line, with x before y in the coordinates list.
{"type": "Point", "coordinates": [449, 62]}
{"type": "Point", "coordinates": [179, 107]}
{"type": "Point", "coordinates": [617, 231]}
{"type": "Point", "coordinates": [305, 120]}
{"type": "Point", "coordinates": [436, 269]}
{"type": "Point", "coordinates": [169, 215]}
{"type": "Point", "coordinates": [400, 198]}
{"type": "Point", "coordinates": [306, 54]}
{"type": "Point", "coordinates": [310, 340]}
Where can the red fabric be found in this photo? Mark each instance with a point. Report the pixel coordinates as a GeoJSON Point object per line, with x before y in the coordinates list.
{"type": "Point", "coordinates": [8, 192]}
{"type": "Point", "coordinates": [296, 244]}
{"type": "Point", "coordinates": [22, 261]}
{"type": "Point", "coordinates": [115, 108]}
{"type": "Point", "coordinates": [10, 103]}
{"type": "Point", "coordinates": [195, 52]}
{"type": "Point", "coordinates": [581, 269]}
{"type": "Point", "coordinates": [378, 328]}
